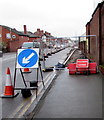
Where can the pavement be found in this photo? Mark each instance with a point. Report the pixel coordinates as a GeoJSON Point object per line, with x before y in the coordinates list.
{"type": "Point", "coordinates": [71, 96]}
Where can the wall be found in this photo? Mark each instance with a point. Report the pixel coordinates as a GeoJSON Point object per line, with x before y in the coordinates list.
{"type": "Point", "coordinates": [94, 30]}
{"type": "Point", "coordinates": [0, 34]}
{"type": "Point", "coordinates": [102, 34]}
{"type": "Point", "coordinates": [96, 27]}
{"type": "Point", "coordinates": [32, 39]}
{"type": "Point", "coordinates": [6, 40]}
{"type": "Point", "coordinates": [13, 45]}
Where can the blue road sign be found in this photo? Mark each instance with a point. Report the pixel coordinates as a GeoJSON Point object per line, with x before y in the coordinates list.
{"type": "Point", "coordinates": [27, 58]}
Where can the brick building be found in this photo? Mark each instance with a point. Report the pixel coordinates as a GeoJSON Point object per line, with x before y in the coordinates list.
{"type": "Point", "coordinates": [13, 39]}
{"type": "Point", "coordinates": [96, 27]}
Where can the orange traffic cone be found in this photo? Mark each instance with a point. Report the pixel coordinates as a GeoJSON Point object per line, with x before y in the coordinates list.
{"type": "Point", "coordinates": [9, 89]}
{"type": "Point", "coordinates": [26, 70]}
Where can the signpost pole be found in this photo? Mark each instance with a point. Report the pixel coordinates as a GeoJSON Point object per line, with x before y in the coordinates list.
{"type": "Point", "coordinates": [15, 71]}
{"type": "Point", "coordinates": [23, 78]}
{"type": "Point", "coordinates": [41, 74]}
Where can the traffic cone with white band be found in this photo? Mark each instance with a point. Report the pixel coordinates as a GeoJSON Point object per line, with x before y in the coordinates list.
{"type": "Point", "coordinates": [26, 70]}
{"type": "Point", "coordinates": [9, 89]}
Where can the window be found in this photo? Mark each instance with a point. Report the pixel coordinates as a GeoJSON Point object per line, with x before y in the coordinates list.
{"type": "Point", "coordinates": [8, 36]}
{"type": "Point", "coordinates": [0, 35]}
{"type": "Point", "coordinates": [13, 36]}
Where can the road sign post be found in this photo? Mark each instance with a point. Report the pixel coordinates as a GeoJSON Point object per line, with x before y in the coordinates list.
{"type": "Point", "coordinates": [27, 58]}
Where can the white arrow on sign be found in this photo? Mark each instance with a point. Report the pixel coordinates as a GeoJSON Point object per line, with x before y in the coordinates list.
{"type": "Point", "coordinates": [26, 60]}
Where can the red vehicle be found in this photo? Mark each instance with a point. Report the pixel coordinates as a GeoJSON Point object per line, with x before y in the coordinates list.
{"type": "Point", "coordinates": [82, 66]}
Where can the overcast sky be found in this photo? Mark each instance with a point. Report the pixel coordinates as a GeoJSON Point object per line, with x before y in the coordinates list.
{"type": "Point", "coordinates": [59, 17]}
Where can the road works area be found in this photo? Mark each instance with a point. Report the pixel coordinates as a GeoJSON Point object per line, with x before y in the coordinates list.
{"type": "Point", "coordinates": [64, 96]}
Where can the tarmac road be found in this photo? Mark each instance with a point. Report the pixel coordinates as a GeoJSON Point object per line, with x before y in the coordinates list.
{"type": "Point", "coordinates": [11, 106]}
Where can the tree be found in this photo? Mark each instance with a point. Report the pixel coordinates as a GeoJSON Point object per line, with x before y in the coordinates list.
{"type": "Point", "coordinates": [3, 47]}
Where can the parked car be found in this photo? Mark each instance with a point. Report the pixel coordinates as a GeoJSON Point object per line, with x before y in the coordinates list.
{"type": "Point", "coordinates": [27, 45]}
{"type": "Point", "coordinates": [1, 53]}
{"type": "Point", "coordinates": [30, 45]}
{"type": "Point", "coordinates": [57, 46]}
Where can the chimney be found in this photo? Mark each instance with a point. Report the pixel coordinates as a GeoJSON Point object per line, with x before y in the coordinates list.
{"type": "Point", "coordinates": [42, 31]}
{"type": "Point", "coordinates": [25, 30]}
{"type": "Point", "coordinates": [38, 30]}
{"type": "Point", "coordinates": [49, 33]}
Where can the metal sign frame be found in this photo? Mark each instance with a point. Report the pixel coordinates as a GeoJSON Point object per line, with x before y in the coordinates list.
{"type": "Point", "coordinates": [23, 78]}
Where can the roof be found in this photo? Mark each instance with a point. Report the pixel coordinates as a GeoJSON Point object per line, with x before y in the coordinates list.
{"type": "Point", "coordinates": [38, 33]}
{"type": "Point", "coordinates": [14, 30]}
{"type": "Point", "coordinates": [29, 34]}
{"type": "Point", "coordinates": [47, 35]}
{"type": "Point", "coordinates": [32, 35]}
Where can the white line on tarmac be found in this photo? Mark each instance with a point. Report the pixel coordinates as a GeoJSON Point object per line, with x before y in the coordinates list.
{"type": "Point", "coordinates": [6, 59]}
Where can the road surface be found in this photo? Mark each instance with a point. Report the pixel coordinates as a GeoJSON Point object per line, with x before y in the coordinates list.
{"type": "Point", "coordinates": [11, 106]}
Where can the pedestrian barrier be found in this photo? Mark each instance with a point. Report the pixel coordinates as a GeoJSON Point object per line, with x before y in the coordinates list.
{"type": "Point", "coordinates": [82, 66]}
{"type": "Point", "coordinates": [72, 68]}
{"type": "Point", "coordinates": [9, 88]}
{"type": "Point", "coordinates": [93, 68]}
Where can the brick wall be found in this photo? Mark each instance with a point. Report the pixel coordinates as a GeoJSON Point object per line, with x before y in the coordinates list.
{"type": "Point", "coordinates": [7, 39]}
{"type": "Point", "coordinates": [13, 45]}
{"type": "Point", "coordinates": [102, 34]}
{"type": "Point", "coordinates": [94, 30]}
{"type": "Point", "coordinates": [0, 34]}
{"type": "Point", "coordinates": [32, 39]}
{"type": "Point", "coordinates": [96, 27]}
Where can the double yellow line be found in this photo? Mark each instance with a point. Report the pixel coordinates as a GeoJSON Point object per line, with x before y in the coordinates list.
{"type": "Point", "coordinates": [24, 106]}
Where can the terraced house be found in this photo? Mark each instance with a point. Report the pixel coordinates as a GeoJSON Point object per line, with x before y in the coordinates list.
{"type": "Point", "coordinates": [12, 39]}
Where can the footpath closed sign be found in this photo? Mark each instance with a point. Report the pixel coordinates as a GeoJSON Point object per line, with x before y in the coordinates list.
{"type": "Point", "coordinates": [27, 58]}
